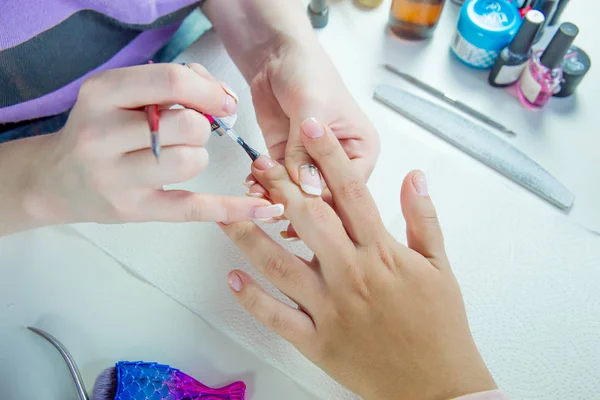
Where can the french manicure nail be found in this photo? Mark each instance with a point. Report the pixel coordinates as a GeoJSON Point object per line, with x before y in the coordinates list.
{"type": "Point", "coordinates": [310, 180]}
{"type": "Point", "coordinates": [284, 235]}
{"type": "Point", "coordinates": [229, 105]}
{"type": "Point", "coordinates": [420, 183]}
{"type": "Point", "coordinates": [249, 183]}
{"type": "Point", "coordinates": [255, 195]}
{"type": "Point", "coordinates": [264, 163]}
{"type": "Point", "coordinates": [235, 282]}
{"type": "Point", "coordinates": [266, 213]}
{"type": "Point", "coordinates": [230, 92]}
{"type": "Point", "coordinates": [312, 128]}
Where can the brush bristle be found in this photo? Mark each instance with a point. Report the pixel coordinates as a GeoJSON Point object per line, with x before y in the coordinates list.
{"type": "Point", "coordinates": [105, 387]}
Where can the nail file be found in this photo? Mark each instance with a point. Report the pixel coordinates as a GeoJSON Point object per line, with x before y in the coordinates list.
{"type": "Point", "coordinates": [478, 142]}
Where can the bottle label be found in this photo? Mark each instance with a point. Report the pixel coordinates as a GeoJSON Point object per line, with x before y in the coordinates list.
{"type": "Point", "coordinates": [509, 74]}
{"type": "Point", "coordinates": [529, 86]}
{"type": "Point", "coordinates": [471, 55]}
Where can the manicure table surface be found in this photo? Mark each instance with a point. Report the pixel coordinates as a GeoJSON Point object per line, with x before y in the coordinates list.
{"type": "Point", "coordinates": [55, 280]}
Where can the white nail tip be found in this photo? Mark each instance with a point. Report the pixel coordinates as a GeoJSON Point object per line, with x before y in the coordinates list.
{"type": "Point", "coordinates": [280, 209]}
{"type": "Point", "coordinates": [313, 191]}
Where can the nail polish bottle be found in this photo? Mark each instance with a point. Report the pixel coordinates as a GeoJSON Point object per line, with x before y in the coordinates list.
{"type": "Point", "coordinates": [547, 8]}
{"type": "Point", "coordinates": [415, 19]}
{"type": "Point", "coordinates": [575, 65]}
{"type": "Point", "coordinates": [542, 76]}
{"type": "Point", "coordinates": [562, 4]}
{"type": "Point", "coordinates": [512, 59]}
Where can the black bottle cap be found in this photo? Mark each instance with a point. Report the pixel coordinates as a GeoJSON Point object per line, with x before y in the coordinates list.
{"type": "Point", "coordinates": [559, 45]}
{"type": "Point", "coordinates": [546, 7]}
{"type": "Point", "coordinates": [575, 64]}
{"type": "Point", "coordinates": [562, 4]}
{"type": "Point", "coordinates": [532, 23]}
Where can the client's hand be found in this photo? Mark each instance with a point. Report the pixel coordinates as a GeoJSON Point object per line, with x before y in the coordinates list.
{"type": "Point", "coordinates": [384, 320]}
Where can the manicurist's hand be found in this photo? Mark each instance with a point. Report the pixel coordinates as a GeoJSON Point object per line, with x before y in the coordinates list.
{"type": "Point", "coordinates": [100, 167]}
{"type": "Point", "coordinates": [385, 320]}
{"type": "Point", "coordinates": [292, 78]}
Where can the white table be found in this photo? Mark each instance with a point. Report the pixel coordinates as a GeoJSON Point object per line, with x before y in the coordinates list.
{"type": "Point", "coordinates": [564, 137]}
{"type": "Point", "coordinates": [61, 283]}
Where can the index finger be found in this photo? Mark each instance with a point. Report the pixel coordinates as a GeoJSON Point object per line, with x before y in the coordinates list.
{"type": "Point", "coordinates": [353, 201]}
{"type": "Point", "coordinates": [169, 83]}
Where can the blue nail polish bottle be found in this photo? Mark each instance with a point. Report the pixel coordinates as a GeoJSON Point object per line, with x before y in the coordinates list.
{"type": "Point", "coordinates": [484, 28]}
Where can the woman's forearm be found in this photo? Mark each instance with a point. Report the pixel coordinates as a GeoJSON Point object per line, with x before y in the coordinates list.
{"type": "Point", "coordinates": [18, 162]}
{"type": "Point", "coordinates": [252, 30]}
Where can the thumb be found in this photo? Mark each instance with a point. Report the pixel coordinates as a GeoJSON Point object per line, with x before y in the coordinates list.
{"type": "Point", "coordinates": [184, 206]}
{"type": "Point", "coordinates": [422, 225]}
{"type": "Point", "coordinates": [300, 165]}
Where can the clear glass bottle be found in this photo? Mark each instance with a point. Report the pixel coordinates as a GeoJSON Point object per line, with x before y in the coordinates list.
{"type": "Point", "coordinates": [543, 75]}
{"type": "Point", "coordinates": [368, 3]}
{"type": "Point", "coordinates": [415, 19]}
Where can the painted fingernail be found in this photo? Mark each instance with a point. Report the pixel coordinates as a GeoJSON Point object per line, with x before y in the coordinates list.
{"type": "Point", "coordinates": [264, 163]}
{"type": "Point", "coordinates": [255, 195]}
{"type": "Point", "coordinates": [284, 235]}
{"type": "Point", "coordinates": [312, 128]}
{"type": "Point", "coordinates": [310, 180]}
{"type": "Point", "coordinates": [235, 282]}
{"type": "Point", "coordinates": [420, 183]}
{"type": "Point", "coordinates": [230, 92]}
{"type": "Point", "coordinates": [266, 213]}
{"type": "Point", "coordinates": [229, 105]}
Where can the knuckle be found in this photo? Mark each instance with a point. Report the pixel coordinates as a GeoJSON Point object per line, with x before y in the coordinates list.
{"type": "Point", "coordinates": [358, 283]}
{"type": "Point", "coordinates": [431, 220]}
{"type": "Point", "coordinates": [188, 123]}
{"type": "Point", "coordinates": [195, 211]}
{"type": "Point", "coordinates": [90, 86]}
{"type": "Point", "coordinates": [275, 267]}
{"type": "Point", "coordinates": [328, 149]}
{"type": "Point", "coordinates": [251, 300]}
{"type": "Point", "coordinates": [188, 162]}
{"type": "Point", "coordinates": [176, 80]}
{"type": "Point", "coordinates": [276, 322]}
{"type": "Point", "coordinates": [352, 189]}
{"type": "Point", "coordinates": [242, 233]}
{"type": "Point", "coordinates": [317, 210]}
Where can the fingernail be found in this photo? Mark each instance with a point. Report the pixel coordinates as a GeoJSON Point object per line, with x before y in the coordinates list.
{"type": "Point", "coordinates": [229, 105]}
{"type": "Point", "coordinates": [249, 183]}
{"type": "Point", "coordinates": [255, 195]}
{"type": "Point", "coordinates": [266, 213]}
{"type": "Point", "coordinates": [420, 183]}
{"type": "Point", "coordinates": [264, 163]}
{"type": "Point", "coordinates": [235, 282]}
{"type": "Point", "coordinates": [312, 128]}
{"type": "Point", "coordinates": [230, 92]}
{"type": "Point", "coordinates": [284, 235]}
{"type": "Point", "coordinates": [310, 180]}
{"type": "Point", "coordinates": [225, 222]}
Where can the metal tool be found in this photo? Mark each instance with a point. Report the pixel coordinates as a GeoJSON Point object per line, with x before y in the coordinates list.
{"type": "Point", "coordinates": [478, 142]}
{"type": "Point", "coordinates": [68, 359]}
{"type": "Point", "coordinates": [318, 12]}
{"type": "Point", "coordinates": [453, 102]}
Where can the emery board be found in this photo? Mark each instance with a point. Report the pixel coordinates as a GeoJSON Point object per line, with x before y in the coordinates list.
{"type": "Point", "coordinates": [477, 141]}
